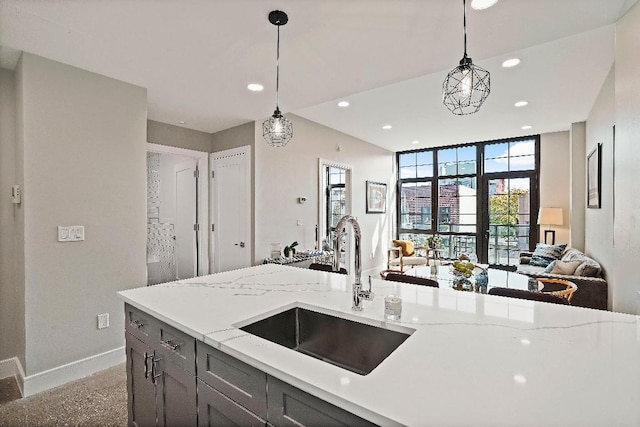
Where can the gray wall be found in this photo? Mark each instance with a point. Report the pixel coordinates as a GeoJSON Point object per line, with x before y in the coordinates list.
{"type": "Point", "coordinates": [11, 307]}
{"type": "Point", "coordinates": [627, 158]}
{"type": "Point", "coordinates": [555, 182]}
{"type": "Point", "coordinates": [599, 222]}
{"type": "Point", "coordinates": [177, 136]}
{"type": "Point", "coordinates": [234, 137]}
{"type": "Point", "coordinates": [578, 183]}
{"type": "Point", "coordinates": [283, 174]}
{"type": "Point", "coordinates": [84, 142]}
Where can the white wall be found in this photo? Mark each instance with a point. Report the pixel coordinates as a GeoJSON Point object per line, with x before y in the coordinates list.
{"type": "Point", "coordinates": [83, 138]}
{"type": "Point", "coordinates": [555, 181]}
{"type": "Point", "coordinates": [627, 161]}
{"type": "Point", "coordinates": [599, 222]}
{"type": "Point", "coordinates": [284, 174]}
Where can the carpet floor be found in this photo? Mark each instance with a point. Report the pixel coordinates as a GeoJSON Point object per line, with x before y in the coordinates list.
{"type": "Point", "coordinates": [97, 400]}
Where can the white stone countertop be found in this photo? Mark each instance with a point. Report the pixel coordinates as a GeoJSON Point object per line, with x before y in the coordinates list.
{"type": "Point", "coordinates": [473, 359]}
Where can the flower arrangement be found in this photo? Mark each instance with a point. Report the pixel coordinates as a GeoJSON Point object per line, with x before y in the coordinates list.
{"type": "Point", "coordinates": [435, 241]}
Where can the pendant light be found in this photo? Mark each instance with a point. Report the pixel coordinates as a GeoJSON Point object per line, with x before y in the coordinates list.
{"type": "Point", "coordinates": [277, 130]}
{"type": "Point", "coordinates": [467, 86]}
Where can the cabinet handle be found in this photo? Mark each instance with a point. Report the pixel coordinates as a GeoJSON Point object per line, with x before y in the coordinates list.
{"type": "Point", "coordinates": [154, 369]}
{"type": "Point", "coordinates": [138, 324]}
{"type": "Point", "coordinates": [171, 344]}
{"type": "Point", "coordinates": [146, 364]}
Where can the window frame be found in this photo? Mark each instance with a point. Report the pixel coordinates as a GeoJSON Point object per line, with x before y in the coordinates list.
{"type": "Point", "coordinates": [481, 192]}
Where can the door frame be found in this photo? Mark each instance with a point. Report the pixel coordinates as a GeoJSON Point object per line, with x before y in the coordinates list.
{"type": "Point", "coordinates": [323, 164]}
{"type": "Point", "coordinates": [202, 159]}
{"type": "Point", "coordinates": [245, 150]}
{"type": "Point", "coordinates": [482, 245]}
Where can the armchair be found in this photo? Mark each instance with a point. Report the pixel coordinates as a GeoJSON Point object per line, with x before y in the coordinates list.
{"type": "Point", "coordinates": [403, 253]}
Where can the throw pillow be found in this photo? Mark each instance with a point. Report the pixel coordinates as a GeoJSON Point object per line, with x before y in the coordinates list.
{"type": "Point", "coordinates": [572, 254]}
{"type": "Point", "coordinates": [566, 268]}
{"type": "Point", "coordinates": [545, 254]}
{"type": "Point", "coordinates": [588, 268]}
{"type": "Point", "coordinates": [550, 266]}
{"type": "Point", "coordinates": [406, 245]}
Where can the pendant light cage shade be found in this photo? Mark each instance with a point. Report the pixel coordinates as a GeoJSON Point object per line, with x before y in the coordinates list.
{"type": "Point", "coordinates": [277, 130]}
{"type": "Point", "coordinates": [466, 88]}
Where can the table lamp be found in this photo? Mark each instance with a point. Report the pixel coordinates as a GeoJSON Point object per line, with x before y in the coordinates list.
{"type": "Point", "coordinates": [549, 217]}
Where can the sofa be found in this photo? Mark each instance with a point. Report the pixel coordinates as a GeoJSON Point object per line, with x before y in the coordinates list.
{"type": "Point", "coordinates": [562, 262]}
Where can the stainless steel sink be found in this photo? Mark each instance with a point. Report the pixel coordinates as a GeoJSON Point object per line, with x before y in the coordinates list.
{"type": "Point", "coordinates": [351, 345]}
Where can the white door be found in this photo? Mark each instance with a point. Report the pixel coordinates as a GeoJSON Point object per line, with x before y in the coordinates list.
{"type": "Point", "coordinates": [186, 219]}
{"type": "Point", "coordinates": [231, 209]}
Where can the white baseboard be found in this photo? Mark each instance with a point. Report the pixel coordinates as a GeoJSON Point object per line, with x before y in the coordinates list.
{"type": "Point", "coordinates": [13, 368]}
{"type": "Point", "coordinates": [72, 371]}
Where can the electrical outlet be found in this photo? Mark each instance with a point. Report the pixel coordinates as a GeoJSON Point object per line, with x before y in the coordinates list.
{"type": "Point", "coordinates": [103, 320]}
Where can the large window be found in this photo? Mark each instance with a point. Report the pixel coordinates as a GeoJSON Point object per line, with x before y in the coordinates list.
{"type": "Point", "coordinates": [476, 196]}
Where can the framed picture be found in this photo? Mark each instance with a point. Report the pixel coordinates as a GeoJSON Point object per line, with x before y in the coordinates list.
{"type": "Point", "coordinates": [376, 197]}
{"type": "Point", "coordinates": [594, 178]}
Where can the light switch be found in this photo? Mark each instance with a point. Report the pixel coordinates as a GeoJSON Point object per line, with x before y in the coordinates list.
{"type": "Point", "coordinates": [16, 195]}
{"type": "Point", "coordinates": [74, 233]}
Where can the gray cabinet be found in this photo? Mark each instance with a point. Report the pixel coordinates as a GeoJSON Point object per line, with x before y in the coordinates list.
{"type": "Point", "coordinates": [290, 406]}
{"type": "Point", "coordinates": [141, 393]}
{"type": "Point", "coordinates": [161, 383]}
{"type": "Point", "coordinates": [164, 390]}
{"type": "Point", "coordinates": [215, 409]}
{"type": "Point", "coordinates": [229, 389]}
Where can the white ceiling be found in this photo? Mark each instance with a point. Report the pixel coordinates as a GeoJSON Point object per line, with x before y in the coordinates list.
{"type": "Point", "coordinates": [388, 58]}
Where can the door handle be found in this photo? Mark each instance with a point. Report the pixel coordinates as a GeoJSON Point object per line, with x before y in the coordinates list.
{"type": "Point", "coordinates": [242, 244]}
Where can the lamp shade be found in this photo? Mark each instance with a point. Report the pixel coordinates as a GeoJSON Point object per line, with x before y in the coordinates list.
{"type": "Point", "coordinates": [550, 216]}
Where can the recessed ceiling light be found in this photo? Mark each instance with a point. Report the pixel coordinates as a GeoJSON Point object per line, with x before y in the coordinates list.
{"type": "Point", "coordinates": [415, 142]}
{"type": "Point", "coordinates": [511, 62]}
{"type": "Point", "coordinates": [520, 103]}
{"type": "Point", "coordinates": [526, 127]}
{"type": "Point", "coordinates": [482, 4]}
{"type": "Point", "coordinates": [182, 122]}
{"type": "Point", "coordinates": [255, 87]}
{"type": "Point", "coordinates": [386, 127]}
{"type": "Point", "coordinates": [343, 104]}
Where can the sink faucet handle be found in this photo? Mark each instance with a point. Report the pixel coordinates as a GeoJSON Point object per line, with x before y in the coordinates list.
{"type": "Point", "coordinates": [368, 294]}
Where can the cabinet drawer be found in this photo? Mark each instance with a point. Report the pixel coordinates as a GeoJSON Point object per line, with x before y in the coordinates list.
{"type": "Point", "coordinates": [141, 325]}
{"type": "Point", "coordinates": [238, 381]}
{"type": "Point", "coordinates": [215, 409]}
{"type": "Point", "coordinates": [178, 347]}
{"type": "Point", "coordinates": [289, 406]}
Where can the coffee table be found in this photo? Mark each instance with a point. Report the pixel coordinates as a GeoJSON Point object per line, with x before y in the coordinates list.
{"type": "Point", "coordinates": [497, 278]}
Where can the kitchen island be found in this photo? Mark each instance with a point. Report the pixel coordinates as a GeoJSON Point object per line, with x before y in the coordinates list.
{"type": "Point", "coordinates": [472, 359]}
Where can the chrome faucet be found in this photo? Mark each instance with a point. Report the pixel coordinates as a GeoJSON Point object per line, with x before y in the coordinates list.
{"type": "Point", "coordinates": [358, 293]}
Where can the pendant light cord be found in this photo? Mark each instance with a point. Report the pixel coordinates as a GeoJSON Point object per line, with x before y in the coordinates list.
{"type": "Point", "coordinates": [464, 25]}
{"type": "Point", "coordinates": [278, 71]}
